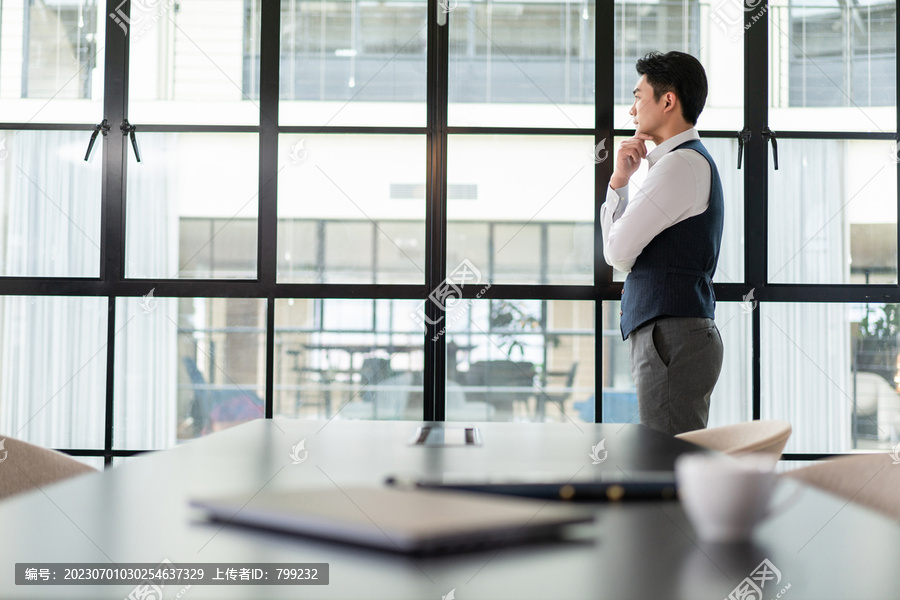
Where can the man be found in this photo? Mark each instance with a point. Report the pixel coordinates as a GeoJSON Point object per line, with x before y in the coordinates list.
{"type": "Point", "coordinates": [666, 235]}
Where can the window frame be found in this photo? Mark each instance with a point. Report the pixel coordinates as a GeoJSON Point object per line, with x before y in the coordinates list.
{"type": "Point", "coordinates": [112, 283]}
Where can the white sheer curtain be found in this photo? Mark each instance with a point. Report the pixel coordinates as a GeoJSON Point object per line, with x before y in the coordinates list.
{"type": "Point", "coordinates": [52, 349]}
{"type": "Point", "coordinates": [146, 394]}
{"type": "Point", "coordinates": [806, 358]}
{"type": "Point", "coordinates": [53, 370]}
{"type": "Point", "coordinates": [51, 205]}
{"type": "Point", "coordinates": [151, 211]}
{"type": "Point", "coordinates": [146, 340]}
{"type": "Point", "coordinates": [732, 398]}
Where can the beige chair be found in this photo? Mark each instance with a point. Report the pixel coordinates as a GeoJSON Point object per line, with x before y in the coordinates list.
{"type": "Point", "coordinates": [872, 480]}
{"type": "Point", "coordinates": [24, 466]}
{"type": "Point", "coordinates": [768, 437]}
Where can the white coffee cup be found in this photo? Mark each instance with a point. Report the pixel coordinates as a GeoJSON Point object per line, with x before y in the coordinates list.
{"type": "Point", "coordinates": [725, 497]}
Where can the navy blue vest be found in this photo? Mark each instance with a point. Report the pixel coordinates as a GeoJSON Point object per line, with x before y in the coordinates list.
{"type": "Point", "coordinates": [672, 276]}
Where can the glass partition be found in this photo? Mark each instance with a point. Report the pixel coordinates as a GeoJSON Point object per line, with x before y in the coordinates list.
{"type": "Point", "coordinates": [832, 371]}
{"type": "Point", "coordinates": [186, 367]}
{"type": "Point", "coordinates": [348, 359]}
{"type": "Point", "coordinates": [520, 360]}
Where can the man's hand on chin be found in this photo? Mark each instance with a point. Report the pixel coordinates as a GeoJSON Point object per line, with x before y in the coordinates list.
{"type": "Point", "coordinates": [628, 159]}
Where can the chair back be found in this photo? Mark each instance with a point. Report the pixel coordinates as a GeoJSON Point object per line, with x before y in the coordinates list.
{"type": "Point", "coordinates": [767, 437]}
{"type": "Point", "coordinates": [391, 397]}
{"type": "Point", "coordinates": [24, 467]}
{"type": "Point", "coordinates": [190, 365]}
{"type": "Point", "coordinates": [872, 480]}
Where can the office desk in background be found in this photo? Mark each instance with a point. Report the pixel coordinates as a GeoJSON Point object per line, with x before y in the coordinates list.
{"type": "Point", "coordinates": [823, 547]}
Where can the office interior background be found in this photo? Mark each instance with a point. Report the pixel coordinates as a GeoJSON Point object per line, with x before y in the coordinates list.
{"type": "Point", "coordinates": [347, 209]}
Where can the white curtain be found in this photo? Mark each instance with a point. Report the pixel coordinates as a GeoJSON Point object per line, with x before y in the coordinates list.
{"type": "Point", "coordinates": [52, 349]}
{"type": "Point", "coordinates": [146, 340]}
{"type": "Point", "coordinates": [806, 353]}
{"type": "Point", "coordinates": [732, 398]}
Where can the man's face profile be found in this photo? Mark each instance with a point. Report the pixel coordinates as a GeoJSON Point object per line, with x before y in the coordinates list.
{"type": "Point", "coordinates": [648, 112]}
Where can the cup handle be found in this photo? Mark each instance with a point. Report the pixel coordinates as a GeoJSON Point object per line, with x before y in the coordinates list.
{"type": "Point", "coordinates": [790, 501]}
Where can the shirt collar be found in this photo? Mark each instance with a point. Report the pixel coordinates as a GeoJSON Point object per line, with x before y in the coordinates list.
{"type": "Point", "coordinates": [670, 144]}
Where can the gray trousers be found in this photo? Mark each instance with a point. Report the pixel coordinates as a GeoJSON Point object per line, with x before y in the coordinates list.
{"type": "Point", "coordinates": [675, 363]}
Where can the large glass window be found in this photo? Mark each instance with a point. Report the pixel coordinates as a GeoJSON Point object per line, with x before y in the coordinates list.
{"type": "Point", "coordinates": [520, 64]}
{"type": "Point", "coordinates": [708, 30]}
{"type": "Point", "coordinates": [833, 65]}
{"type": "Point", "coordinates": [53, 370]}
{"type": "Point", "coordinates": [51, 61]}
{"type": "Point", "coordinates": [529, 216]}
{"type": "Point", "coordinates": [310, 209]}
{"type": "Point", "coordinates": [191, 61]}
{"type": "Point", "coordinates": [520, 360]}
{"type": "Point", "coordinates": [833, 212]}
{"type": "Point", "coordinates": [192, 206]}
{"type": "Point", "coordinates": [50, 215]}
{"type": "Point", "coordinates": [831, 370]}
{"type": "Point", "coordinates": [186, 367]}
{"type": "Point", "coordinates": [351, 209]}
{"type": "Point", "coordinates": [348, 359]}
{"type": "Point", "coordinates": [353, 63]}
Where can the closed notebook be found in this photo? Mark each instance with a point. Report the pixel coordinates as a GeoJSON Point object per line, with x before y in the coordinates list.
{"type": "Point", "coordinates": [399, 519]}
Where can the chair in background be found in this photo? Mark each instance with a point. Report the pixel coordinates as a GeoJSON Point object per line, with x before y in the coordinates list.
{"type": "Point", "coordinates": [460, 409]}
{"type": "Point", "coordinates": [556, 398]}
{"type": "Point", "coordinates": [514, 380]}
{"type": "Point", "coordinates": [24, 467]}
{"type": "Point", "coordinates": [389, 400]}
{"type": "Point", "coordinates": [767, 437]}
{"type": "Point", "coordinates": [374, 370]}
{"type": "Point", "coordinates": [213, 410]}
{"type": "Point", "coordinates": [872, 480]}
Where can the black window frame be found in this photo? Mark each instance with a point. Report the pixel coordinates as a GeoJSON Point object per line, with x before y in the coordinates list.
{"type": "Point", "coordinates": [113, 284]}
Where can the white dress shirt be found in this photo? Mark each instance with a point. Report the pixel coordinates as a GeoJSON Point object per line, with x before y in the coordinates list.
{"type": "Point", "coordinates": [676, 188]}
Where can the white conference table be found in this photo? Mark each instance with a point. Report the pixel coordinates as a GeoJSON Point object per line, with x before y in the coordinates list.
{"type": "Point", "coordinates": [138, 513]}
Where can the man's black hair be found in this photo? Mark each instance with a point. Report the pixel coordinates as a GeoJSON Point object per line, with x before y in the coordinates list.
{"type": "Point", "coordinates": [680, 73]}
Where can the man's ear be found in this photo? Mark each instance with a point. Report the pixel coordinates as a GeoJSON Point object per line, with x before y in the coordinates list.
{"type": "Point", "coordinates": [671, 101]}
